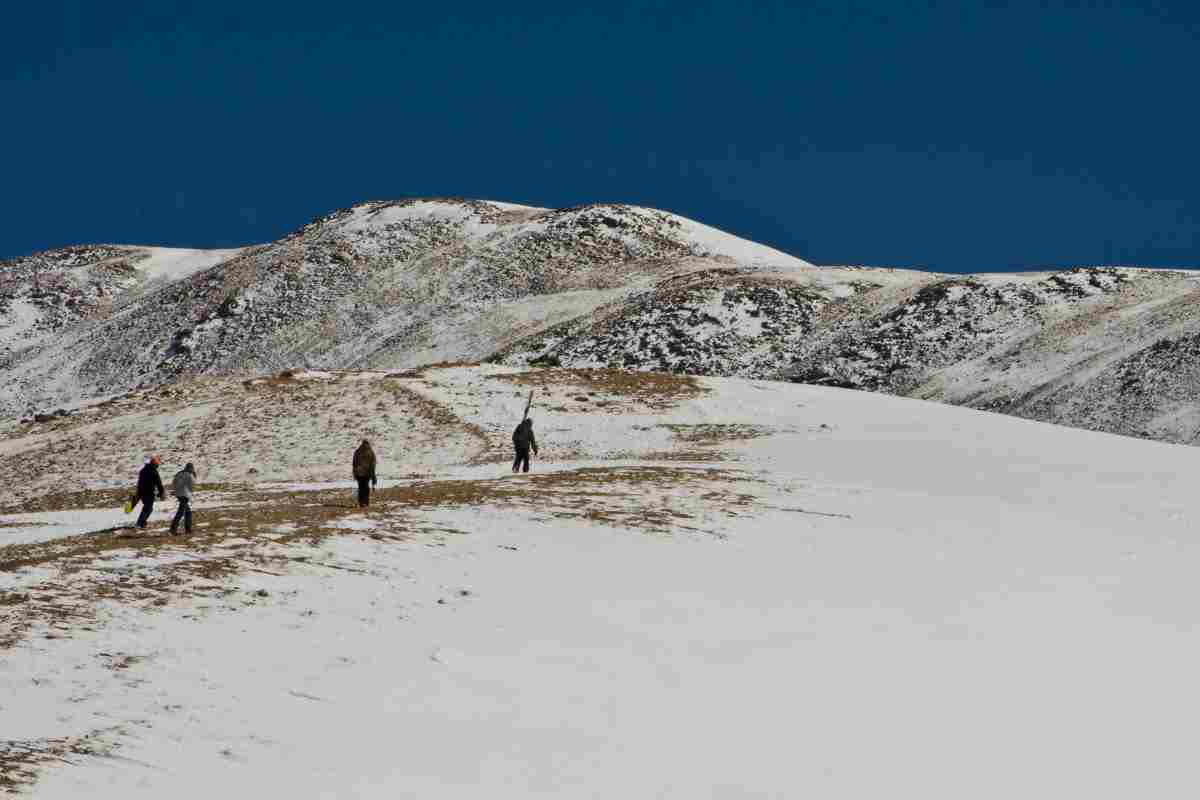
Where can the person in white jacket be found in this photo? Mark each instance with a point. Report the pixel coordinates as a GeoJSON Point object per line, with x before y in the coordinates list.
{"type": "Point", "coordinates": [183, 485]}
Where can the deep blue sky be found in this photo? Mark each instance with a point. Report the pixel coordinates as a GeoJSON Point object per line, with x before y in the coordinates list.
{"type": "Point", "coordinates": [951, 136]}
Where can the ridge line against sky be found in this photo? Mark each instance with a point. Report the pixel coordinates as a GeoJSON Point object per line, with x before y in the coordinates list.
{"type": "Point", "coordinates": [957, 138]}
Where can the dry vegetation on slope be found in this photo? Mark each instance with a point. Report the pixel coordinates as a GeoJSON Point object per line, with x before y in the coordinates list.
{"type": "Point", "coordinates": [248, 525]}
{"type": "Point", "coordinates": [399, 285]}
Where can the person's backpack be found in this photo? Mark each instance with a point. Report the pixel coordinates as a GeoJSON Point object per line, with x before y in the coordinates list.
{"type": "Point", "coordinates": [364, 462]}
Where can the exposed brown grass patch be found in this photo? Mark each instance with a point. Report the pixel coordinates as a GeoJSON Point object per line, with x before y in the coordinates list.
{"type": "Point", "coordinates": [585, 481]}
{"type": "Point", "coordinates": [730, 499]}
{"type": "Point", "coordinates": [119, 661]}
{"type": "Point", "coordinates": [13, 598]}
{"type": "Point", "coordinates": [284, 379]}
{"type": "Point", "coordinates": [682, 456]}
{"type": "Point", "coordinates": [650, 519]}
{"type": "Point", "coordinates": [102, 498]}
{"type": "Point", "coordinates": [311, 511]}
{"type": "Point", "coordinates": [430, 411]}
{"type": "Point", "coordinates": [637, 497]}
{"type": "Point", "coordinates": [258, 537]}
{"type": "Point", "coordinates": [82, 580]}
{"type": "Point", "coordinates": [269, 510]}
{"type": "Point", "coordinates": [65, 501]}
{"type": "Point", "coordinates": [21, 759]}
{"type": "Point", "coordinates": [707, 435]}
{"type": "Point", "coordinates": [438, 415]}
{"type": "Point", "coordinates": [423, 371]}
{"type": "Point", "coordinates": [212, 569]}
{"type": "Point", "coordinates": [658, 390]}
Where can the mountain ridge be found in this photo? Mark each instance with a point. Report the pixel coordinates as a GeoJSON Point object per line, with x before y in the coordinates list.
{"type": "Point", "coordinates": [394, 285]}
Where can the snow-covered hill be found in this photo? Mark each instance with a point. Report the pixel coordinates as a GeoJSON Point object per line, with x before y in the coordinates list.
{"type": "Point", "coordinates": [392, 285]}
{"type": "Point", "coordinates": [707, 588]}
{"type": "Point", "coordinates": [42, 294]}
{"type": "Point", "coordinates": [397, 285]}
{"type": "Point", "coordinates": [1112, 349]}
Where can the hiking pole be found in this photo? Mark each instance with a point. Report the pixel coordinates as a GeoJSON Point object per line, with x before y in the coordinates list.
{"type": "Point", "coordinates": [528, 403]}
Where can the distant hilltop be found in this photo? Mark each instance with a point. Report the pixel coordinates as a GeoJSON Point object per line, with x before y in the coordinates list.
{"type": "Point", "coordinates": [401, 284]}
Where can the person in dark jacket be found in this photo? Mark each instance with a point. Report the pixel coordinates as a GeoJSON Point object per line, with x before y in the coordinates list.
{"type": "Point", "coordinates": [149, 484]}
{"type": "Point", "coordinates": [364, 472]}
{"type": "Point", "coordinates": [523, 441]}
{"type": "Point", "coordinates": [182, 486]}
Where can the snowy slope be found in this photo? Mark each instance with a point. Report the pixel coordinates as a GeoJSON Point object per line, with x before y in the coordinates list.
{"type": "Point", "coordinates": [173, 263]}
{"type": "Point", "coordinates": [395, 285]}
{"type": "Point", "coordinates": [44, 293]}
{"type": "Point", "coordinates": [383, 285]}
{"type": "Point", "coordinates": [1098, 348]}
{"type": "Point", "coordinates": [713, 588]}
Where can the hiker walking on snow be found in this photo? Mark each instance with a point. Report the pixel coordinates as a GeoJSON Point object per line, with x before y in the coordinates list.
{"type": "Point", "coordinates": [182, 486]}
{"type": "Point", "coordinates": [149, 484]}
{"type": "Point", "coordinates": [523, 440]}
{"type": "Point", "coordinates": [364, 472]}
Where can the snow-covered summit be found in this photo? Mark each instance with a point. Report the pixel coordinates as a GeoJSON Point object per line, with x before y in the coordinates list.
{"type": "Point", "coordinates": [618, 230]}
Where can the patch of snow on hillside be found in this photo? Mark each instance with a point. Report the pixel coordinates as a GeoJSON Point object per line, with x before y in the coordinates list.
{"type": "Point", "coordinates": [175, 264]}
{"type": "Point", "coordinates": [712, 241]}
{"type": "Point", "coordinates": [354, 524]}
{"type": "Point", "coordinates": [17, 320]}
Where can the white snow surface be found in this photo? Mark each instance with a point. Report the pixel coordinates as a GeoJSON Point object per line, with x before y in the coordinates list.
{"type": "Point", "coordinates": [713, 241]}
{"type": "Point", "coordinates": [48, 525]}
{"type": "Point", "coordinates": [909, 599]}
{"type": "Point", "coordinates": [176, 263]}
{"type": "Point", "coordinates": [22, 316]}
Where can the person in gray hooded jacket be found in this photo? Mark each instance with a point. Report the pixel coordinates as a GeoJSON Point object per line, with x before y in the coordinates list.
{"type": "Point", "coordinates": [183, 485]}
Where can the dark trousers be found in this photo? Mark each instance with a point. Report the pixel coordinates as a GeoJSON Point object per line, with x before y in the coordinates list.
{"type": "Point", "coordinates": [147, 510]}
{"type": "Point", "coordinates": [364, 491]}
{"type": "Point", "coordinates": [184, 513]}
{"type": "Point", "coordinates": [521, 459]}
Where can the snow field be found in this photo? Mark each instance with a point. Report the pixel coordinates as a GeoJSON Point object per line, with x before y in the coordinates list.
{"type": "Point", "coordinates": [854, 596]}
